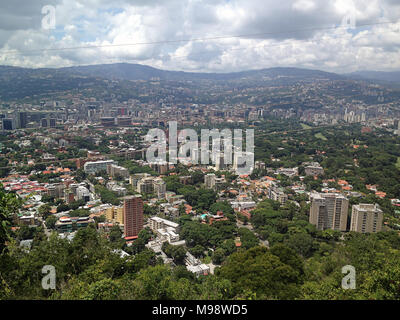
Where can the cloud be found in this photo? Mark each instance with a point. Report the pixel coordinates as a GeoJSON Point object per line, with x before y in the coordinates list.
{"type": "Point", "coordinates": [297, 33]}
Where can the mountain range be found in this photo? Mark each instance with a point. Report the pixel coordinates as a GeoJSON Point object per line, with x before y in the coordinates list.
{"type": "Point", "coordinates": [126, 71]}
{"type": "Point", "coordinates": [17, 82]}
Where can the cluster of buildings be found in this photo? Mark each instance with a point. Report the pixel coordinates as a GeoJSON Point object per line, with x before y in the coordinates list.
{"type": "Point", "coordinates": [146, 183]}
{"type": "Point", "coordinates": [168, 231]}
{"type": "Point", "coordinates": [24, 119]}
{"type": "Point", "coordinates": [330, 211]}
{"type": "Point", "coordinates": [128, 216]}
{"type": "Point", "coordinates": [211, 181]}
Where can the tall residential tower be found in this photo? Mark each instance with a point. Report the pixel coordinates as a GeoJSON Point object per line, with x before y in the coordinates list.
{"type": "Point", "coordinates": [329, 211]}
{"type": "Point", "coordinates": [366, 218]}
{"type": "Point", "coordinates": [133, 216]}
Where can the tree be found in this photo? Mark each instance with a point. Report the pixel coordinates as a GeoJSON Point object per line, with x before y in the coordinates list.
{"type": "Point", "coordinates": [143, 238]}
{"type": "Point", "coordinates": [177, 253]}
{"type": "Point", "coordinates": [142, 260]}
{"type": "Point", "coordinates": [199, 198]}
{"type": "Point", "coordinates": [115, 235]}
{"type": "Point", "coordinates": [197, 177]}
{"type": "Point", "coordinates": [153, 284]}
{"type": "Point", "coordinates": [25, 233]}
{"type": "Point", "coordinates": [214, 288]}
{"type": "Point", "coordinates": [172, 183]}
{"type": "Point", "coordinates": [302, 243]}
{"type": "Point", "coordinates": [224, 206]}
{"type": "Point", "coordinates": [289, 257]}
{"type": "Point", "coordinates": [80, 175]}
{"type": "Point", "coordinates": [261, 272]}
{"type": "Point", "coordinates": [197, 251]}
{"type": "Point", "coordinates": [248, 238]}
{"type": "Point", "coordinates": [63, 207]}
{"type": "Point", "coordinates": [106, 289]}
{"type": "Point", "coordinates": [229, 246]}
{"type": "Point", "coordinates": [51, 222]}
{"type": "Point", "coordinates": [44, 210]}
{"type": "Point", "coordinates": [149, 210]}
{"type": "Point", "coordinates": [9, 205]}
{"type": "Point", "coordinates": [218, 256]}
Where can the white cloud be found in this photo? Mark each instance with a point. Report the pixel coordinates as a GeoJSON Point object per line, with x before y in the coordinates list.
{"type": "Point", "coordinates": [304, 5]}
{"type": "Point", "coordinates": [287, 33]}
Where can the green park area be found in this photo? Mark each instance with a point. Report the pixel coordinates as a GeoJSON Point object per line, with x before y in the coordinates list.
{"type": "Point", "coordinates": [320, 136]}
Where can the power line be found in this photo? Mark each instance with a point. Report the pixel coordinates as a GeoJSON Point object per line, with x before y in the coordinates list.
{"type": "Point", "coordinates": [254, 35]}
{"type": "Point", "coordinates": [225, 50]}
{"type": "Point", "coordinates": [118, 60]}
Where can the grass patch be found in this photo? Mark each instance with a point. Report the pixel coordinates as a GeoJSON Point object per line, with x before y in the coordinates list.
{"type": "Point", "coordinates": [398, 163]}
{"type": "Point", "coordinates": [305, 126]}
{"type": "Point", "coordinates": [320, 136]}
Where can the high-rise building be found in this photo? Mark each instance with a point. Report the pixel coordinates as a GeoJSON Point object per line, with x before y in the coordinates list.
{"type": "Point", "coordinates": [44, 123]}
{"type": "Point", "coordinates": [52, 122]}
{"type": "Point", "coordinates": [277, 194]}
{"type": "Point", "coordinates": [145, 185]}
{"type": "Point", "coordinates": [69, 196]}
{"type": "Point", "coordinates": [22, 119]}
{"type": "Point", "coordinates": [160, 188]}
{"type": "Point", "coordinates": [209, 180]}
{"type": "Point", "coordinates": [397, 124]}
{"type": "Point", "coordinates": [115, 214]}
{"type": "Point", "coordinates": [366, 218]}
{"type": "Point", "coordinates": [243, 162]}
{"type": "Point", "coordinates": [329, 211]}
{"type": "Point", "coordinates": [119, 215]}
{"type": "Point", "coordinates": [8, 124]}
{"type": "Point", "coordinates": [135, 178]}
{"type": "Point", "coordinates": [82, 193]}
{"type": "Point", "coordinates": [133, 216]}
{"type": "Point", "coordinates": [220, 163]}
{"type": "Point", "coordinates": [56, 190]}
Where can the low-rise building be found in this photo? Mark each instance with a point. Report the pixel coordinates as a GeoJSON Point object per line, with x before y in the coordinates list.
{"type": "Point", "coordinates": [113, 170]}
{"type": "Point", "coordinates": [70, 224]}
{"type": "Point", "coordinates": [313, 169]}
{"type": "Point", "coordinates": [93, 167]}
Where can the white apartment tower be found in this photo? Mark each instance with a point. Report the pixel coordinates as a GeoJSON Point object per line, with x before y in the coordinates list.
{"type": "Point", "coordinates": [366, 218]}
{"type": "Point", "coordinates": [329, 211]}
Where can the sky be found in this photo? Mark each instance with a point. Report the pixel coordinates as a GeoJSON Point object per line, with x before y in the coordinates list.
{"type": "Point", "coordinates": [203, 35]}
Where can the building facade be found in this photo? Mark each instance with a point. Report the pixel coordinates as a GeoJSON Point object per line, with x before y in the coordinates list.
{"type": "Point", "coordinates": [366, 218]}
{"type": "Point", "coordinates": [329, 211]}
{"type": "Point", "coordinates": [133, 216]}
